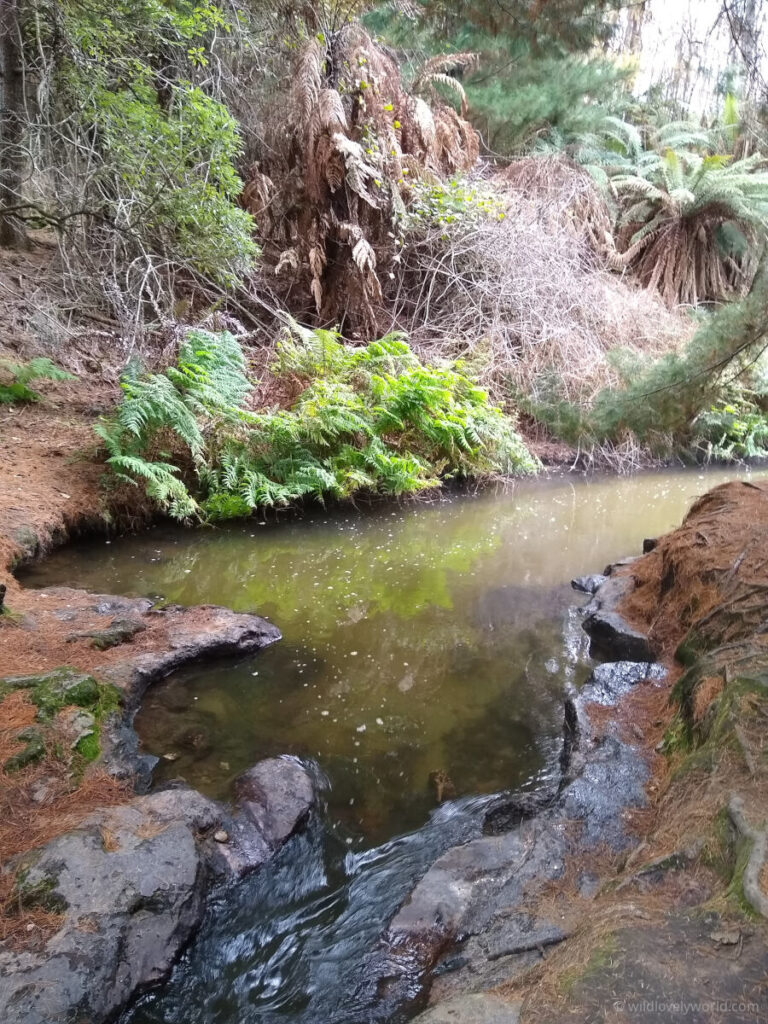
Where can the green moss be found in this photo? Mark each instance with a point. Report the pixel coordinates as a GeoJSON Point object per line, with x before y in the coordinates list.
{"type": "Point", "coordinates": [41, 894]}
{"type": "Point", "coordinates": [735, 890]}
{"type": "Point", "coordinates": [64, 687]}
{"type": "Point", "coordinates": [34, 748]}
{"type": "Point", "coordinates": [51, 692]}
{"type": "Point", "coordinates": [89, 747]}
{"type": "Point", "coordinates": [601, 957]}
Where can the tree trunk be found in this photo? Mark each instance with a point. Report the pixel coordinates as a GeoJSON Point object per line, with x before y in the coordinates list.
{"type": "Point", "coordinates": [12, 230]}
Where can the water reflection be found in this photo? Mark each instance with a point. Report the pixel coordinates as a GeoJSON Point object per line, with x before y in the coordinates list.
{"type": "Point", "coordinates": [420, 642]}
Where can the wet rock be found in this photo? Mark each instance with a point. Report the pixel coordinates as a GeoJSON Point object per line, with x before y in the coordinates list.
{"type": "Point", "coordinates": [202, 631]}
{"type": "Point", "coordinates": [479, 894]}
{"type": "Point", "coordinates": [276, 795]}
{"type": "Point", "coordinates": [478, 1008]}
{"type": "Point", "coordinates": [588, 584]}
{"type": "Point", "coordinates": [611, 636]}
{"type": "Point", "coordinates": [133, 894]}
{"type": "Point", "coordinates": [611, 680]}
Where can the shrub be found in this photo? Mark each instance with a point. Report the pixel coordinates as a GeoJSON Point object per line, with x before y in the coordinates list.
{"type": "Point", "coordinates": [368, 419]}
{"type": "Point", "coordinates": [21, 376]}
{"type": "Point", "coordinates": [733, 430]}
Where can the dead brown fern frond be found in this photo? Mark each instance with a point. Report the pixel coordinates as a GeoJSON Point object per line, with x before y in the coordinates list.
{"type": "Point", "coordinates": [334, 177]}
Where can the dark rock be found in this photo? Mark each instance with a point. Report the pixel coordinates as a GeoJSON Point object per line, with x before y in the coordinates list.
{"type": "Point", "coordinates": [119, 631]}
{"type": "Point", "coordinates": [611, 636]}
{"type": "Point", "coordinates": [479, 894]}
{"type": "Point", "coordinates": [649, 544]}
{"type": "Point", "coordinates": [131, 883]}
{"type": "Point", "coordinates": [276, 795]}
{"type": "Point", "coordinates": [588, 584]}
{"type": "Point", "coordinates": [3, 592]}
{"type": "Point", "coordinates": [613, 639]}
{"type": "Point", "coordinates": [131, 904]}
{"type": "Point", "coordinates": [223, 632]}
{"type": "Point", "coordinates": [510, 809]}
{"type": "Point", "coordinates": [612, 780]}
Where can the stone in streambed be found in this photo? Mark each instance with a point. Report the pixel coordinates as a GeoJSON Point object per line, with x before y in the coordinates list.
{"type": "Point", "coordinates": [612, 638]}
{"type": "Point", "coordinates": [611, 680]}
{"type": "Point", "coordinates": [588, 584]}
{"type": "Point", "coordinates": [276, 795]}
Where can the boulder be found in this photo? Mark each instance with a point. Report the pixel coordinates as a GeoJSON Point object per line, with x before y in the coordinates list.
{"type": "Point", "coordinates": [276, 796]}
{"type": "Point", "coordinates": [132, 894]}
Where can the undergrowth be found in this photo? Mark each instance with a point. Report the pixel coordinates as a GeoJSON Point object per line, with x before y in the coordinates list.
{"type": "Point", "coordinates": [19, 376]}
{"type": "Point", "coordinates": [369, 419]}
{"type": "Point", "coordinates": [704, 400]}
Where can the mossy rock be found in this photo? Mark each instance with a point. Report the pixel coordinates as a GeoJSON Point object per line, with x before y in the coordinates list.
{"type": "Point", "coordinates": [119, 631]}
{"type": "Point", "coordinates": [33, 750]}
{"type": "Point", "coordinates": [53, 691]}
{"type": "Point", "coordinates": [40, 894]}
{"type": "Point", "coordinates": [63, 687]}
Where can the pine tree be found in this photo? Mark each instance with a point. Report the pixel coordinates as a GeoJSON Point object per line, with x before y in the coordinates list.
{"type": "Point", "coordinates": [539, 64]}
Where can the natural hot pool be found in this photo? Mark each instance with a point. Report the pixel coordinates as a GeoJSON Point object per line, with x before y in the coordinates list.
{"type": "Point", "coordinates": [424, 638]}
{"type": "Point", "coordinates": [421, 639]}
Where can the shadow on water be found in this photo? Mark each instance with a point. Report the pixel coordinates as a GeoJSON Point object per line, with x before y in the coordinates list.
{"type": "Point", "coordinates": [429, 641]}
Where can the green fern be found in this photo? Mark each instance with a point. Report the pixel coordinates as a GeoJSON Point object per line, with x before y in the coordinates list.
{"type": "Point", "coordinates": [370, 418]}
{"type": "Point", "coordinates": [21, 376]}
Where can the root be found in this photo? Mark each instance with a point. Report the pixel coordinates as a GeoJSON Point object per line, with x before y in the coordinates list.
{"type": "Point", "coordinates": [757, 855]}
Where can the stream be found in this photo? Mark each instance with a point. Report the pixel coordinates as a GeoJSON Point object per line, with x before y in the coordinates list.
{"type": "Point", "coordinates": [425, 655]}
